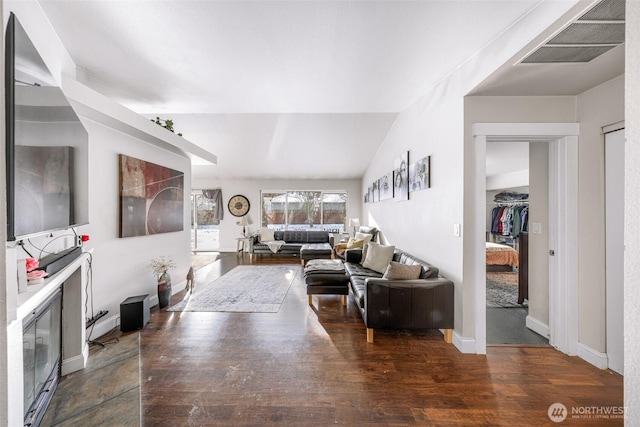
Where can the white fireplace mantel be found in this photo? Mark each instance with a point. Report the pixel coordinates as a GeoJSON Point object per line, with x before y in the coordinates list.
{"type": "Point", "coordinates": [75, 350]}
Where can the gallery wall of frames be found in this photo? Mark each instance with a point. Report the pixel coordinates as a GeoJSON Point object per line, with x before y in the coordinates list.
{"type": "Point", "coordinates": [405, 178]}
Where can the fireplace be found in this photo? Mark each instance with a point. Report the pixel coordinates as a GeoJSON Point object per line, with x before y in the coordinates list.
{"type": "Point", "coordinates": [46, 337]}
{"type": "Point", "coordinates": [41, 356]}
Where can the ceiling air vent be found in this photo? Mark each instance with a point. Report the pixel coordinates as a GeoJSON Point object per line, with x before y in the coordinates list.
{"type": "Point", "coordinates": [607, 10]}
{"type": "Point", "coordinates": [555, 54]}
{"type": "Point", "coordinates": [594, 33]}
{"type": "Point", "coordinates": [591, 33]}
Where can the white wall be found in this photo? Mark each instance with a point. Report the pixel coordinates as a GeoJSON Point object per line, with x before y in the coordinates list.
{"type": "Point", "coordinates": [508, 180]}
{"type": "Point", "coordinates": [229, 231]}
{"type": "Point", "coordinates": [600, 106]}
{"type": "Point", "coordinates": [435, 125]}
{"type": "Point", "coordinates": [120, 266]}
{"type": "Point", "coordinates": [423, 225]}
{"type": "Point", "coordinates": [131, 255]}
{"type": "Point", "coordinates": [632, 225]}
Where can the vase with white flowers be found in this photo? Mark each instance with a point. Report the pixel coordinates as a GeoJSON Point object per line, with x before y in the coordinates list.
{"type": "Point", "coordinates": [161, 267]}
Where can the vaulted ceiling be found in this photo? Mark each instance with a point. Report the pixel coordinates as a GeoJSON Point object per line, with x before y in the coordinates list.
{"type": "Point", "coordinates": [313, 85]}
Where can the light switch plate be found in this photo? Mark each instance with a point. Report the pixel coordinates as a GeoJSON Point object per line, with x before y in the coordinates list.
{"type": "Point", "coordinates": [456, 230]}
{"type": "Point", "coordinates": [536, 228]}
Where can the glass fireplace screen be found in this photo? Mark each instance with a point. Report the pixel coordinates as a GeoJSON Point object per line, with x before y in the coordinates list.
{"type": "Point", "coordinates": [41, 351]}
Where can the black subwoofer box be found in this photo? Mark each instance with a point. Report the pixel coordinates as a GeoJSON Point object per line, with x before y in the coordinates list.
{"type": "Point", "coordinates": [134, 313]}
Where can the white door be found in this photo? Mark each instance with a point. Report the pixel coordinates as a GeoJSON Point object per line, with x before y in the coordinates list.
{"type": "Point", "coordinates": [563, 237]}
{"type": "Point", "coordinates": [614, 246]}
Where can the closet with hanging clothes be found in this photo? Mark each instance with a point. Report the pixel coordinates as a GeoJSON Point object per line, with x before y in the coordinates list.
{"type": "Point", "coordinates": [510, 216]}
{"type": "Point", "coordinates": [507, 232]}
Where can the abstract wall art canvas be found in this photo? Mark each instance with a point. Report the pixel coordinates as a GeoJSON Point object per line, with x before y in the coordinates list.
{"type": "Point", "coordinates": [151, 198]}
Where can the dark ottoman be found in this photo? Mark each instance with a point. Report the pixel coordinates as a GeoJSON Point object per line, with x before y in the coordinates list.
{"type": "Point", "coordinates": [326, 276]}
{"type": "Point", "coordinates": [310, 251]}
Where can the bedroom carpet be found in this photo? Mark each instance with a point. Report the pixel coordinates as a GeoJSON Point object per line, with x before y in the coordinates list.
{"type": "Point", "coordinates": [502, 290]}
{"type": "Point", "coordinates": [245, 289]}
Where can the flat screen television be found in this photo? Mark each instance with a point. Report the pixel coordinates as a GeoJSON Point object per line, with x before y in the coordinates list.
{"type": "Point", "coordinates": [46, 145]}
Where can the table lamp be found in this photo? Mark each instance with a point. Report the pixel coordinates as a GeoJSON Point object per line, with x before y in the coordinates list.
{"type": "Point", "coordinates": [243, 222]}
{"type": "Point", "coordinates": [355, 223]}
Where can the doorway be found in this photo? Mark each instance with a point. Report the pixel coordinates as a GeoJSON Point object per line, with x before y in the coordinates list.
{"type": "Point", "coordinates": [562, 327]}
{"type": "Point", "coordinates": [507, 269]}
{"type": "Point", "coordinates": [205, 229]}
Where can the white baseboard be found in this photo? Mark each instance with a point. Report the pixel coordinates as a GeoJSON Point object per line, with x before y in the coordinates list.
{"type": "Point", "coordinates": [538, 327]}
{"type": "Point", "coordinates": [465, 345]}
{"type": "Point", "coordinates": [103, 326]}
{"type": "Point", "coordinates": [107, 324]}
{"type": "Point", "coordinates": [75, 363]}
{"type": "Point", "coordinates": [597, 359]}
{"type": "Point", "coordinates": [223, 250]}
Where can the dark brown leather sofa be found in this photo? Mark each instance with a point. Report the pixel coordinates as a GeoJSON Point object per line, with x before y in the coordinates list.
{"type": "Point", "coordinates": [295, 241]}
{"type": "Point", "coordinates": [424, 303]}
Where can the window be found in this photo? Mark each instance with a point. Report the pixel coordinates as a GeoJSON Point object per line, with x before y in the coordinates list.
{"type": "Point", "coordinates": [304, 210]}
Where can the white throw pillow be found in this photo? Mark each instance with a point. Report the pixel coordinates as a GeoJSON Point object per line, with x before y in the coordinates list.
{"type": "Point", "coordinates": [267, 235]}
{"type": "Point", "coordinates": [364, 236]}
{"type": "Point", "coordinates": [378, 257]}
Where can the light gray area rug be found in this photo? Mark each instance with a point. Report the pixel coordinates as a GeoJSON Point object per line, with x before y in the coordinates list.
{"type": "Point", "coordinates": [246, 289]}
{"type": "Point", "coordinates": [501, 291]}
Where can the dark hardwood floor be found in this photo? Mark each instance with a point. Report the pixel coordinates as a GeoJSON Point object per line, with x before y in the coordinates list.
{"type": "Point", "coordinates": [312, 366]}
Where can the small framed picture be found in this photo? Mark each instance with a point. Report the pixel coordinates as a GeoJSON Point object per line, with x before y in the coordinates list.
{"type": "Point", "coordinates": [386, 186]}
{"type": "Point", "coordinates": [419, 174]}
{"type": "Point", "coordinates": [401, 177]}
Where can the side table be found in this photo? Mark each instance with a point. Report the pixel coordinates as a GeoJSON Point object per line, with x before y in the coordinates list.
{"type": "Point", "coordinates": [242, 244]}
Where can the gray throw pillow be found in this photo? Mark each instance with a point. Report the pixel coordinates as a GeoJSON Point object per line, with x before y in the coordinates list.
{"type": "Point", "coordinates": [399, 271]}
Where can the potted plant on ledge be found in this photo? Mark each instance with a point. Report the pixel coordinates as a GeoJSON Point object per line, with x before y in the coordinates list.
{"type": "Point", "coordinates": [160, 267]}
